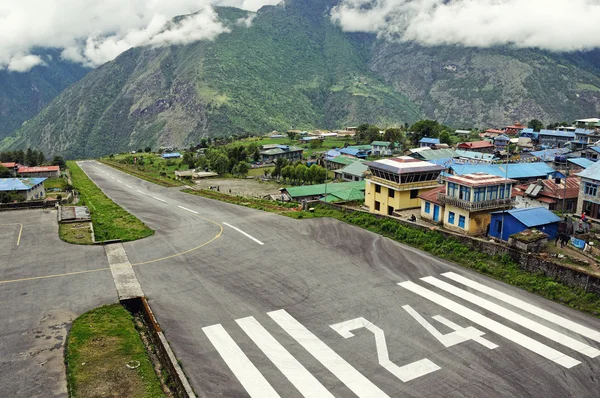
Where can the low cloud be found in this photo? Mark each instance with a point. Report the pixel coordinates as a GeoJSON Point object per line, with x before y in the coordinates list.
{"type": "Point", "coordinates": [556, 25]}
{"type": "Point", "coordinates": [93, 32]}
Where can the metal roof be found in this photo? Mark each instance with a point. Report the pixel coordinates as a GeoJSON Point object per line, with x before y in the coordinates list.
{"type": "Point", "coordinates": [549, 154]}
{"type": "Point", "coordinates": [171, 155]}
{"type": "Point", "coordinates": [345, 195]}
{"type": "Point", "coordinates": [427, 140]}
{"type": "Point", "coordinates": [512, 170]}
{"type": "Point", "coordinates": [436, 154]}
{"type": "Point", "coordinates": [381, 143]}
{"type": "Point", "coordinates": [355, 168]}
{"type": "Point", "coordinates": [554, 133]}
{"type": "Point", "coordinates": [592, 172]}
{"type": "Point", "coordinates": [319, 189]}
{"type": "Point", "coordinates": [37, 169]}
{"type": "Point", "coordinates": [533, 216]}
{"type": "Point", "coordinates": [404, 165]}
{"type": "Point", "coordinates": [475, 155]}
{"type": "Point", "coordinates": [581, 162]}
{"type": "Point", "coordinates": [19, 184]}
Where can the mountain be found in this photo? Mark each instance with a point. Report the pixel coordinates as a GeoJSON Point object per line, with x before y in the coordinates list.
{"type": "Point", "coordinates": [24, 94]}
{"type": "Point", "coordinates": [293, 68]}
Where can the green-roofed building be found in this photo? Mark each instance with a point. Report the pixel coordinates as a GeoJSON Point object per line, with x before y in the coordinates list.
{"type": "Point", "coordinates": [355, 171]}
{"type": "Point", "coordinates": [315, 192]}
{"type": "Point", "coordinates": [381, 148]}
{"type": "Point", "coordinates": [281, 151]}
{"type": "Point", "coordinates": [339, 162]}
{"type": "Point", "coordinates": [345, 195]}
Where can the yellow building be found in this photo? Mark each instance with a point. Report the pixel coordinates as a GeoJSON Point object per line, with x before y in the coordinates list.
{"type": "Point", "coordinates": [470, 199]}
{"type": "Point", "coordinates": [395, 183]}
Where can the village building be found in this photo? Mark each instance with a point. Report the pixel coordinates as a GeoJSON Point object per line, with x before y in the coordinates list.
{"type": "Point", "coordinates": [501, 143]}
{"type": "Point", "coordinates": [381, 148]}
{"type": "Point", "coordinates": [491, 133]}
{"type": "Point", "coordinates": [555, 139]}
{"type": "Point", "coordinates": [432, 208]}
{"type": "Point", "coordinates": [428, 142]}
{"type": "Point", "coordinates": [589, 194]}
{"type": "Point", "coordinates": [38, 171]}
{"type": "Point", "coordinates": [469, 199]}
{"type": "Point", "coordinates": [592, 153]}
{"type": "Point", "coordinates": [503, 224]}
{"type": "Point", "coordinates": [281, 152]}
{"type": "Point", "coordinates": [395, 183]}
{"type": "Point", "coordinates": [12, 167]}
{"type": "Point", "coordinates": [26, 188]}
{"type": "Point", "coordinates": [522, 172]}
{"type": "Point", "coordinates": [477, 146]}
{"type": "Point", "coordinates": [355, 171]}
{"type": "Point", "coordinates": [320, 191]}
{"type": "Point", "coordinates": [463, 133]}
{"type": "Point", "coordinates": [475, 157]}
{"type": "Point", "coordinates": [515, 129]}
{"type": "Point", "coordinates": [551, 194]}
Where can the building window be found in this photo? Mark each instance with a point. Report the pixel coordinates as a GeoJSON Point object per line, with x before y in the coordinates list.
{"type": "Point", "coordinates": [465, 193]}
{"type": "Point", "coordinates": [461, 221]}
{"type": "Point", "coordinates": [377, 188]}
{"type": "Point", "coordinates": [590, 189]}
{"type": "Point", "coordinates": [414, 193]}
{"type": "Point", "coordinates": [492, 193]}
{"type": "Point", "coordinates": [479, 194]}
{"type": "Point", "coordinates": [390, 210]}
{"type": "Point", "coordinates": [427, 207]}
{"type": "Point", "coordinates": [451, 217]}
{"type": "Point", "coordinates": [377, 205]}
{"type": "Point", "coordinates": [452, 189]}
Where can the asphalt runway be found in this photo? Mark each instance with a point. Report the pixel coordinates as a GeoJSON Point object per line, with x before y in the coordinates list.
{"type": "Point", "coordinates": [256, 304]}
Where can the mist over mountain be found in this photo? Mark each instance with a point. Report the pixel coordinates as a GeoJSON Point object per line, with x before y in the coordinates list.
{"type": "Point", "coordinates": [291, 65]}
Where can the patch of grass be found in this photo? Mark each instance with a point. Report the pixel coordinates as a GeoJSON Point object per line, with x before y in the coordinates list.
{"type": "Point", "coordinates": [55, 183]}
{"type": "Point", "coordinates": [259, 171]}
{"type": "Point", "coordinates": [259, 204]}
{"type": "Point", "coordinates": [109, 219]}
{"type": "Point", "coordinates": [157, 172]}
{"type": "Point", "coordinates": [78, 233]}
{"type": "Point", "coordinates": [100, 344]}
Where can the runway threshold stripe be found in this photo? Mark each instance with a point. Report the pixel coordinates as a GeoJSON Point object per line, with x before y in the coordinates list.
{"type": "Point", "coordinates": [516, 318]}
{"type": "Point", "coordinates": [128, 186]}
{"type": "Point", "coordinates": [244, 233]}
{"type": "Point", "coordinates": [525, 306]}
{"type": "Point", "coordinates": [297, 374]}
{"type": "Point", "coordinates": [245, 371]}
{"type": "Point", "coordinates": [159, 199]}
{"type": "Point", "coordinates": [186, 209]}
{"type": "Point", "coordinates": [496, 327]}
{"type": "Point", "coordinates": [347, 374]}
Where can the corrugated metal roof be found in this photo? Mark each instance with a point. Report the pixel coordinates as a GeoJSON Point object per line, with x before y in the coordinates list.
{"type": "Point", "coordinates": [427, 140]}
{"type": "Point", "coordinates": [381, 143]}
{"type": "Point", "coordinates": [436, 154]}
{"type": "Point", "coordinates": [37, 169]}
{"type": "Point", "coordinates": [345, 195]}
{"type": "Point", "coordinates": [592, 172]}
{"type": "Point", "coordinates": [549, 154]}
{"type": "Point", "coordinates": [533, 216]}
{"type": "Point", "coordinates": [515, 170]}
{"type": "Point", "coordinates": [319, 189]}
{"type": "Point", "coordinates": [475, 144]}
{"type": "Point", "coordinates": [355, 168]}
{"type": "Point", "coordinates": [432, 194]}
{"type": "Point", "coordinates": [554, 133]}
{"type": "Point", "coordinates": [403, 165]}
{"type": "Point", "coordinates": [19, 184]}
{"type": "Point", "coordinates": [475, 155]}
{"type": "Point", "coordinates": [353, 151]}
{"type": "Point", "coordinates": [581, 162]}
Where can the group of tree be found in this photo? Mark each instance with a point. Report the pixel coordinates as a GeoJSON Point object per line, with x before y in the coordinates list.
{"type": "Point", "coordinates": [367, 133]}
{"type": "Point", "coordinates": [30, 157]}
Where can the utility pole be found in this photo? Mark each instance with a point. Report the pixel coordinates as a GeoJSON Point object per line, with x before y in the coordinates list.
{"type": "Point", "coordinates": [505, 189]}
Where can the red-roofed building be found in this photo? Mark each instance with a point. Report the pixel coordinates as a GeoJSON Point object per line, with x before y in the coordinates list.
{"type": "Point", "coordinates": [432, 208]}
{"type": "Point", "coordinates": [12, 166]}
{"type": "Point", "coordinates": [477, 146]}
{"type": "Point", "coordinates": [515, 129]}
{"type": "Point", "coordinates": [491, 133]}
{"type": "Point", "coordinates": [39, 171]}
{"type": "Point", "coordinates": [548, 194]}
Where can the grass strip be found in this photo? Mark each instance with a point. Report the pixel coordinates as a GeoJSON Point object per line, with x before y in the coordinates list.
{"type": "Point", "coordinates": [502, 268]}
{"type": "Point", "coordinates": [100, 345]}
{"type": "Point", "coordinates": [110, 220]}
{"type": "Point", "coordinates": [259, 204]}
{"type": "Point", "coordinates": [77, 233]}
{"type": "Point", "coordinates": [152, 176]}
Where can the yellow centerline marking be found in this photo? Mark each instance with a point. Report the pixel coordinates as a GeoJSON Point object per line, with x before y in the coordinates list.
{"type": "Point", "coordinates": [217, 236]}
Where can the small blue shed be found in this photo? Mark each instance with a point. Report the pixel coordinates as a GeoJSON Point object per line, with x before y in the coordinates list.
{"type": "Point", "coordinates": [518, 220]}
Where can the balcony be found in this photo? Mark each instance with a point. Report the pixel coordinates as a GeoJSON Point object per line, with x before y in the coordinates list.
{"type": "Point", "coordinates": [475, 206]}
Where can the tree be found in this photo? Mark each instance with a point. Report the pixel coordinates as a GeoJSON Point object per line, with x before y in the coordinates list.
{"type": "Point", "coordinates": [535, 124]}
{"type": "Point", "coordinates": [445, 138]}
{"type": "Point", "coordinates": [425, 128]}
{"type": "Point", "coordinates": [188, 158]}
{"type": "Point", "coordinates": [300, 173]}
{"type": "Point", "coordinates": [314, 144]}
{"type": "Point", "coordinates": [220, 163]}
{"type": "Point", "coordinates": [30, 157]}
{"type": "Point", "coordinates": [41, 158]}
{"type": "Point", "coordinates": [291, 135]}
{"type": "Point", "coordinates": [287, 172]}
{"type": "Point", "coordinates": [280, 163]}
{"type": "Point", "coordinates": [147, 149]}
{"type": "Point", "coordinates": [241, 169]}
{"type": "Point", "coordinates": [58, 161]}
{"type": "Point", "coordinates": [5, 172]}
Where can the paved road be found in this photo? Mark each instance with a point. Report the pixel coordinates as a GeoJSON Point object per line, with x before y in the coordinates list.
{"type": "Point", "coordinates": [36, 313]}
{"type": "Point", "coordinates": [264, 305]}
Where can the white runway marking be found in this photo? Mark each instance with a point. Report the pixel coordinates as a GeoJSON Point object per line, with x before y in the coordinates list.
{"type": "Point", "coordinates": [496, 327]}
{"type": "Point", "coordinates": [245, 371]}
{"type": "Point", "coordinates": [141, 192]}
{"type": "Point", "coordinates": [532, 309]}
{"type": "Point", "coordinates": [516, 318]}
{"type": "Point", "coordinates": [244, 233]}
{"type": "Point", "coordinates": [405, 373]}
{"type": "Point", "coordinates": [347, 374]}
{"type": "Point", "coordinates": [128, 186]}
{"type": "Point", "coordinates": [119, 181]}
{"type": "Point", "coordinates": [186, 209]}
{"type": "Point", "coordinates": [297, 374]}
{"type": "Point", "coordinates": [159, 199]}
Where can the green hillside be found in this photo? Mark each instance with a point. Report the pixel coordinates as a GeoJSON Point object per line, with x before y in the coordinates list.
{"type": "Point", "coordinates": [294, 68]}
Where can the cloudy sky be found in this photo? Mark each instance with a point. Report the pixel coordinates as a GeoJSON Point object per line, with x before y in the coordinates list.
{"type": "Point", "coordinates": [93, 32]}
{"type": "Point", "coordinates": [557, 25]}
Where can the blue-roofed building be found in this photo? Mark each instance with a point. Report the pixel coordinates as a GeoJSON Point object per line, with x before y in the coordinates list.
{"type": "Point", "coordinates": [501, 142]}
{"type": "Point", "coordinates": [548, 155]}
{"type": "Point", "coordinates": [171, 155]}
{"type": "Point", "coordinates": [589, 192]}
{"type": "Point", "coordinates": [579, 163]}
{"type": "Point", "coordinates": [506, 223]}
{"type": "Point", "coordinates": [522, 172]}
{"type": "Point", "coordinates": [592, 153]}
{"type": "Point", "coordinates": [428, 142]}
{"type": "Point", "coordinates": [556, 139]}
{"type": "Point", "coordinates": [26, 188]}
{"type": "Point", "coordinates": [529, 133]}
{"type": "Point", "coordinates": [354, 153]}
{"type": "Point", "coordinates": [475, 157]}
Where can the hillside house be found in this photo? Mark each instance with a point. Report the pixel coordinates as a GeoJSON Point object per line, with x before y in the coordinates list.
{"type": "Point", "coordinates": [589, 194]}
{"type": "Point", "coordinates": [38, 172]}
{"type": "Point", "coordinates": [592, 153]}
{"type": "Point", "coordinates": [555, 139]}
{"type": "Point", "coordinates": [381, 148]}
{"type": "Point", "coordinates": [522, 172]}
{"type": "Point", "coordinates": [469, 199]}
{"type": "Point", "coordinates": [395, 183]}
{"type": "Point", "coordinates": [476, 146]}
{"type": "Point", "coordinates": [549, 193]}
{"type": "Point", "coordinates": [281, 152]}
{"type": "Point", "coordinates": [12, 167]}
{"type": "Point", "coordinates": [501, 143]}
{"type": "Point", "coordinates": [432, 208]}
{"type": "Point", "coordinates": [428, 142]}
{"type": "Point", "coordinates": [355, 171]}
{"type": "Point", "coordinates": [503, 224]}
{"type": "Point", "coordinates": [515, 129]}
{"type": "Point", "coordinates": [27, 188]}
